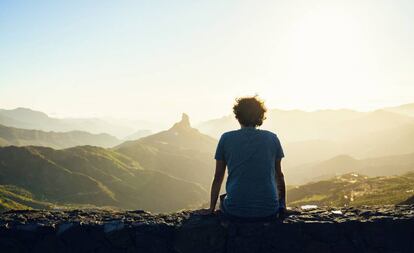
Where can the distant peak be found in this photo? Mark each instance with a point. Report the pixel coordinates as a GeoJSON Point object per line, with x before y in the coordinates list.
{"type": "Point", "coordinates": [185, 120]}
{"type": "Point", "coordinates": [23, 111]}
{"type": "Point", "coordinates": [184, 123]}
{"type": "Point", "coordinates": [343, 157]}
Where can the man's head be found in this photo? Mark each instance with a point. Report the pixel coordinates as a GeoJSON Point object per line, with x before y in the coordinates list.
{"type": "Point", "coordinates": [249, 111]}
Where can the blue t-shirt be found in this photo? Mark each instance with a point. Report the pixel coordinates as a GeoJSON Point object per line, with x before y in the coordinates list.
{"type": "Point", "coordinates": [250, 154]}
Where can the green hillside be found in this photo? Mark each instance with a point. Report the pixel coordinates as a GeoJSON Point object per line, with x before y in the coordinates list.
{"type": "Point", "coordinates": [95, 176]}
{"type": "Point", "coordinates": [58, 140]}
{"type": "Point", "coordinates": [354, 190]}
{"type": "Point", "coordinates": [12, 197]}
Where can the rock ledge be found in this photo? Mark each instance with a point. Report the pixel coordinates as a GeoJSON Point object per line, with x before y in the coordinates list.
{"type": "Point", "coordinates": [364, 229]}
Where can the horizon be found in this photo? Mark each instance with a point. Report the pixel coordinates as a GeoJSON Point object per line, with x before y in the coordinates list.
{"type": "Point", "coordinates": [195, 123]}
{"type": "Point", "coordinates": [154, 60]}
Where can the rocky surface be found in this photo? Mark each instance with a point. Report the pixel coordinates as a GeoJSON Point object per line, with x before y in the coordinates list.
{"type": "Point", "coordinates": [365, 229]}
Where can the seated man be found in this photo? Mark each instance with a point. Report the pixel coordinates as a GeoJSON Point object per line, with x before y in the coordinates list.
{"type": "Point", "coordinates": [255, 185]}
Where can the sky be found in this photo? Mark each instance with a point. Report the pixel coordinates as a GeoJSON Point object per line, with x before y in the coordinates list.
{"type": "Point", "coordinates": [154, 59]}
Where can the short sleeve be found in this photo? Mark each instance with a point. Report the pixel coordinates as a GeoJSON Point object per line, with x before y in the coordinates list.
{"type": "Point", "coordinates": [220, 156]}
{"type": "Point", "coordinates": [279, 149]}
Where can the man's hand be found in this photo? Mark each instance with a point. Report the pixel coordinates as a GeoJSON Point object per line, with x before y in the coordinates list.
{"type": "Point", "coordinates": [207, 211]}
{"type": "Point", "coordinates": [282, 212]}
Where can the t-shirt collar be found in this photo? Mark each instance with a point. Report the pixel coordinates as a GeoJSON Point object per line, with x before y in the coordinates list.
{"type": "Point", "coordinates": [248, 128]}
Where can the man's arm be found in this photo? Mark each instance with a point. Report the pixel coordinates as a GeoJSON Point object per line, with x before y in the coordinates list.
{"type": "Point", "coordinates": [280, 182]}
{"type": "Point", "coordinates": [216, 185]}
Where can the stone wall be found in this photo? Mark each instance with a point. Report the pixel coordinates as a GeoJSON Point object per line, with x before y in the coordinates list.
{"type": "Point", "coordinates": [366, 229]}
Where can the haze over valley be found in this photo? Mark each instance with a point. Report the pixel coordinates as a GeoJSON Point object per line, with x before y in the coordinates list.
{"type": "Point", "coordinates": [44, 166]}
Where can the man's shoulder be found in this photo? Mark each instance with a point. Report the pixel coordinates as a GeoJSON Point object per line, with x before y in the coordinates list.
{"type": "Point", "coordinates": [234, 133]}
{"type": "Point", "coordinates": [228, 134]}
{"type": "Point", "coordinates": [268, 133]}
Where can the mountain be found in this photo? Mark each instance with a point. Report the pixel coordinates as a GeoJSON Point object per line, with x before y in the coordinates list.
{"type": "Point", "coordinates": [310, 151]}
{"type": "Point", "coordinates": [22, 137]}
{"type": "Point", "coordinates": [354, 190]}
{"type": "Point", "coordinates": [30, 119]}
{"type": "Point", "coordinates": [87, 175]}
{"type": "Point", "coordinates": [407, 109]}
{"type": "Point", "coordinates": [138, 134]}
{"type": "Point", "coordinates": [378, 166]}
{"type": "Point", "coordinates": [386, 142]}
{"type": "Point", "coordinates": [181, 151]}
{"type": "Point", "coordinates": [182, 136]}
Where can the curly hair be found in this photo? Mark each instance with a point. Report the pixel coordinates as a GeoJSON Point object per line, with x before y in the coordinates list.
{"type": "Point", "coordinates": [250, 111]}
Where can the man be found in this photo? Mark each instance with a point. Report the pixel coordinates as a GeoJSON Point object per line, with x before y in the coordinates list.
{"type": "Point", "coordinates": [255, 185]}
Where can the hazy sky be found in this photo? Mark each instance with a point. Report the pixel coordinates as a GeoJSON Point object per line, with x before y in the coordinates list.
{"type": "Point", "coordinates": [156, 59]}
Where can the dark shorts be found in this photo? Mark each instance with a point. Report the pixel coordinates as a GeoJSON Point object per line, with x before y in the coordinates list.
{"type": "Point", "coordinates": [227, 216]}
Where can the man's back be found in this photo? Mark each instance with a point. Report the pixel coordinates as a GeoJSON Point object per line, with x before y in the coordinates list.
{"type": "Point", "coordinates": [250, 155]}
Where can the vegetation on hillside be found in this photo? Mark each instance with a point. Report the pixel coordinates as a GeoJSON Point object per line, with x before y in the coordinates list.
{"type": "Point", "coordinates": [12, 197]}
{"type": "Point", "coordinates": [96, 176]}
{"type": "Point", "coordinates": [354, 190]}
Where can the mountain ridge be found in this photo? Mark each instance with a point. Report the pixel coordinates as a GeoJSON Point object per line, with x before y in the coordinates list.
{"type": "Point", "coordinates": [341, 164]}
{"type": "Point", "coordinates": [58, 140]}
{"type": "Point", "coordinates": [26, 118]}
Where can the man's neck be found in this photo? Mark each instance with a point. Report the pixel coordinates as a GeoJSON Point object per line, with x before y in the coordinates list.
{"type": "Point", "coordinates": [247, 127]}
